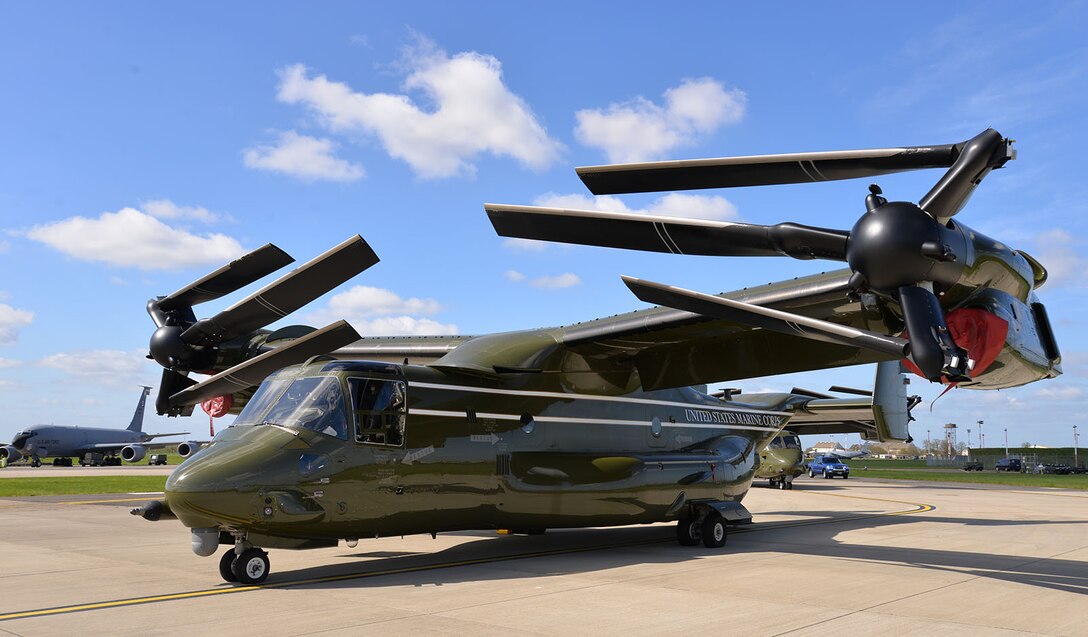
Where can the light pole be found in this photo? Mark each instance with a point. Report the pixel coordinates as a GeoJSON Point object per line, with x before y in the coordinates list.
{"type": "Point", "coordinates": [1076, 443]}
{"type": "Point", "coordinates": [968, 442]}
{"type": "Point", "coordinates": [1006, 442]}
{"type": "Point", "coordinates": [981, 436]}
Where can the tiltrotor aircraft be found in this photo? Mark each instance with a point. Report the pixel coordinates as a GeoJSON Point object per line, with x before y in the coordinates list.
{"type": "Point", "coordinates": [597, 423]}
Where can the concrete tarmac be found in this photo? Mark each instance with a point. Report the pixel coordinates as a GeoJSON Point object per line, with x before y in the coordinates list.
{"type": "Point", "coordinates": [857, 557]}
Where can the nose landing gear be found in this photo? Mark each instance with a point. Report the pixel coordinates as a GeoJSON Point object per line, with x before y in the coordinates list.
{"type": "Point", "coordinates": [244, 564]}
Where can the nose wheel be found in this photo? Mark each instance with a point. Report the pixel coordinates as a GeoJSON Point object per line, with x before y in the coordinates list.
{"type": "Point", "coordinates": [250, 567]}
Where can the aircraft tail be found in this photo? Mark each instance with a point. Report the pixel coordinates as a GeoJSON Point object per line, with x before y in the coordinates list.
{"type": "Point", "coordinates": [137, 424]}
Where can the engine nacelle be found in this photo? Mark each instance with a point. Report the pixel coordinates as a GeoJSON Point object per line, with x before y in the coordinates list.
{"type": "Point", "coordinates": [133, 453]}
{"type": "Point", "coordinates": [188, 448]}
{"type": "Point", "coordinates": [9, 453]}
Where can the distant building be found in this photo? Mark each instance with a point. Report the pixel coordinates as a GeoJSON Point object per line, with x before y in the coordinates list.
{"type": "Point", "coordinates": [824, 447]}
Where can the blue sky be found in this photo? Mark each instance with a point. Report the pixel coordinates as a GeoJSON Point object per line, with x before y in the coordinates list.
{"type": "Point", "coordinates": [141, 147]}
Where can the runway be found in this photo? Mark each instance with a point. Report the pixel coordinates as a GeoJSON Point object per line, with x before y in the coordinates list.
{"type": "Point", "coordinates": [841, 557]}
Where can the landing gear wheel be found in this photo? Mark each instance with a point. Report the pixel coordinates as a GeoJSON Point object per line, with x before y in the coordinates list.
{"type": "Point", "coordinates": [225, 567]}
{"type": "Point", "coordinates": [35, 462]}
{"type": "Point", "coordinates": [782, 484]}
{"type": "Point", "coordinates": [789, 485]}
{"type": "Point", "coordinates": [251, 567]}
{"type": "Point", "coordinates": [687, 532]}
{"type": "Point", "coordinates": [714, 531]}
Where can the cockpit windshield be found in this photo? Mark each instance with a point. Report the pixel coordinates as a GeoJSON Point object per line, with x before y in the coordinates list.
{"type": "Point", "coordinates": [315, 403]}
{"type": "Point", "coordinates": [792, 441]}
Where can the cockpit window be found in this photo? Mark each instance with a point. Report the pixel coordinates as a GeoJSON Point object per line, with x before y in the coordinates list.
{"type": "Point", "coordinates": [792, 441]}
{"type": "Point", "coordinates": [315, 403]}
{"type": "Point", "coordinates": [379, 406]}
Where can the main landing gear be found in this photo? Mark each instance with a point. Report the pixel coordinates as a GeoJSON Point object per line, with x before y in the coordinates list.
{"type": "Point", "coordinates": [249, 567]}
{"type": "Point", "coordinates": [710, 529]}
{"type": "Point", "coordinates": [781, 483]}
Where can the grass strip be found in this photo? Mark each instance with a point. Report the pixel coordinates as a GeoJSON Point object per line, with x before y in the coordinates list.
{"type": "Point", "coordinates": [1079, 481]}
{"type": "Point", "coordinates": [21, 487]}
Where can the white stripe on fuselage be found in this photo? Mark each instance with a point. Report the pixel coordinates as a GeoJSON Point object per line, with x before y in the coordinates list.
{"type": "Point", "coordinates": [614, 399]}
{"type": "Point", "coordinates": [585, 421]}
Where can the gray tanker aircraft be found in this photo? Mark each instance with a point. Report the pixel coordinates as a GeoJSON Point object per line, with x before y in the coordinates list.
{"type": "Point", "coordinates": [597, 423]}
{"type": "Point", "coordinates": [62, 442]}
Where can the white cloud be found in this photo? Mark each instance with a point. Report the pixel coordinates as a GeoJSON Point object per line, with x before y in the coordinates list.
{"type": "Point", "coordinates": [102, 367]}
{"type": "Point", "coordinates": [546, 282]}
{"type": "Point", "coordinates": [640, 130]}
{"type": "Point", "coordinates": [402, 326]}
{"type": "Point", "coordinates": [380, 312]}
{"type": "Point", "coordinates": [1059, 255]}
{"type": "Point", "coordinates": [166, 209]}
{"type": "Point", "coordinates": [11, 319]}
{"type": "Point", "coordinates": [474, 112]}
{"type": "Point", "coordinates": [711, 207]}
{"type": "Point", "coordinates": [132, 238]}
{"type": "Point", "coordinates": [8, 363]}
{"type": "Point", "coordinates": [556, 282]}
{"type": "Point", "coordinates": [306, 158]}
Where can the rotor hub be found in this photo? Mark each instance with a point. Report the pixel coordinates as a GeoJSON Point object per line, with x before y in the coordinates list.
{"type": "Point", "coordinates": [898, 244]}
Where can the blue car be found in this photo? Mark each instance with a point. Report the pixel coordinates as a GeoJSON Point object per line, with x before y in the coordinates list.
{"type": "Point", "coordinates": [828, 466]}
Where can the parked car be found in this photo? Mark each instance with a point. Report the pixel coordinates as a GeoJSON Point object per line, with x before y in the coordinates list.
{"type": "Point", "coordinates": [828, 466]}
{"type": "Point", "coordinates": [972, 465]}
{"type": "Point", "coordinates": [1008, 464]}
{"type": "Point", "coordinates": [156, 458]}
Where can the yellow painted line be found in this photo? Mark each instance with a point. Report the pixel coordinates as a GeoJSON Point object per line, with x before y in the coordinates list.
{"type": "Point", "coordinates": [45, 612]}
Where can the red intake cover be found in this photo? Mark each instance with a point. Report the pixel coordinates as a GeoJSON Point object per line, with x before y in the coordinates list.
{"type": "Point", "coordinates": [979, 332]}
{"type": "Point", "coordinates": [218, 406]}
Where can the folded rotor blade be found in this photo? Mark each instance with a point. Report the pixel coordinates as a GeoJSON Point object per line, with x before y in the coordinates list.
{"type": "Point", "coordinates": [762, 170]}
{"type": "Point", "coordinates": [235, 275]}
{"type": "Point", "coordinates": [254, 370]}
{"type": "Point", "coordinates": [766, 318]}
{"type": "Point", "coordinates": [285, 295]}
{"type": "Point", "coordinates": [976, 158]}
{"type": "Point", "coordinates": [667, 234]}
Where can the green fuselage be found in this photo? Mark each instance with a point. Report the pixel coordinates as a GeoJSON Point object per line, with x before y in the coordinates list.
{"type": "Point", "coordinates": [471, 452]}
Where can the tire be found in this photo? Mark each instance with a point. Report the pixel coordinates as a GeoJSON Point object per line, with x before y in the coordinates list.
{"type": "Point", "coordinates": [782, 484]}
{"type": "Point", "coordinates": [789, 485]}
{"type": "Point", "coordinates": [827, 475]}
{"type": "Point", "coordinates": [845, 476]}
{"type": "Point", "coordinates": [251, 567]}
{"type": "Point", "coordinates": [811, 473]}
{"type": "Point", "coordinates": [687, 532]}
{"type": "Point", "coordinates": [225, 564]}
{"type": "Point", "coordinates": [714, 533]}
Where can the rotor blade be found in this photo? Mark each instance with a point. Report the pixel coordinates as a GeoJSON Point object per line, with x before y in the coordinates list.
{"type": "Point", "coordinates": [762, 170]}
{"type": "Point", "coordinates": [235, 275]}
{"type": "Point", "coordinates": [254, 370]}
{"type": "Point", "coordinates": [284, 295]}
{"type": "Point", "coordinates": [976, 158]}
{"type": "Point", "coordinates": [667, 234]}
{"type": "Point", "coordinates": [764, 317]}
